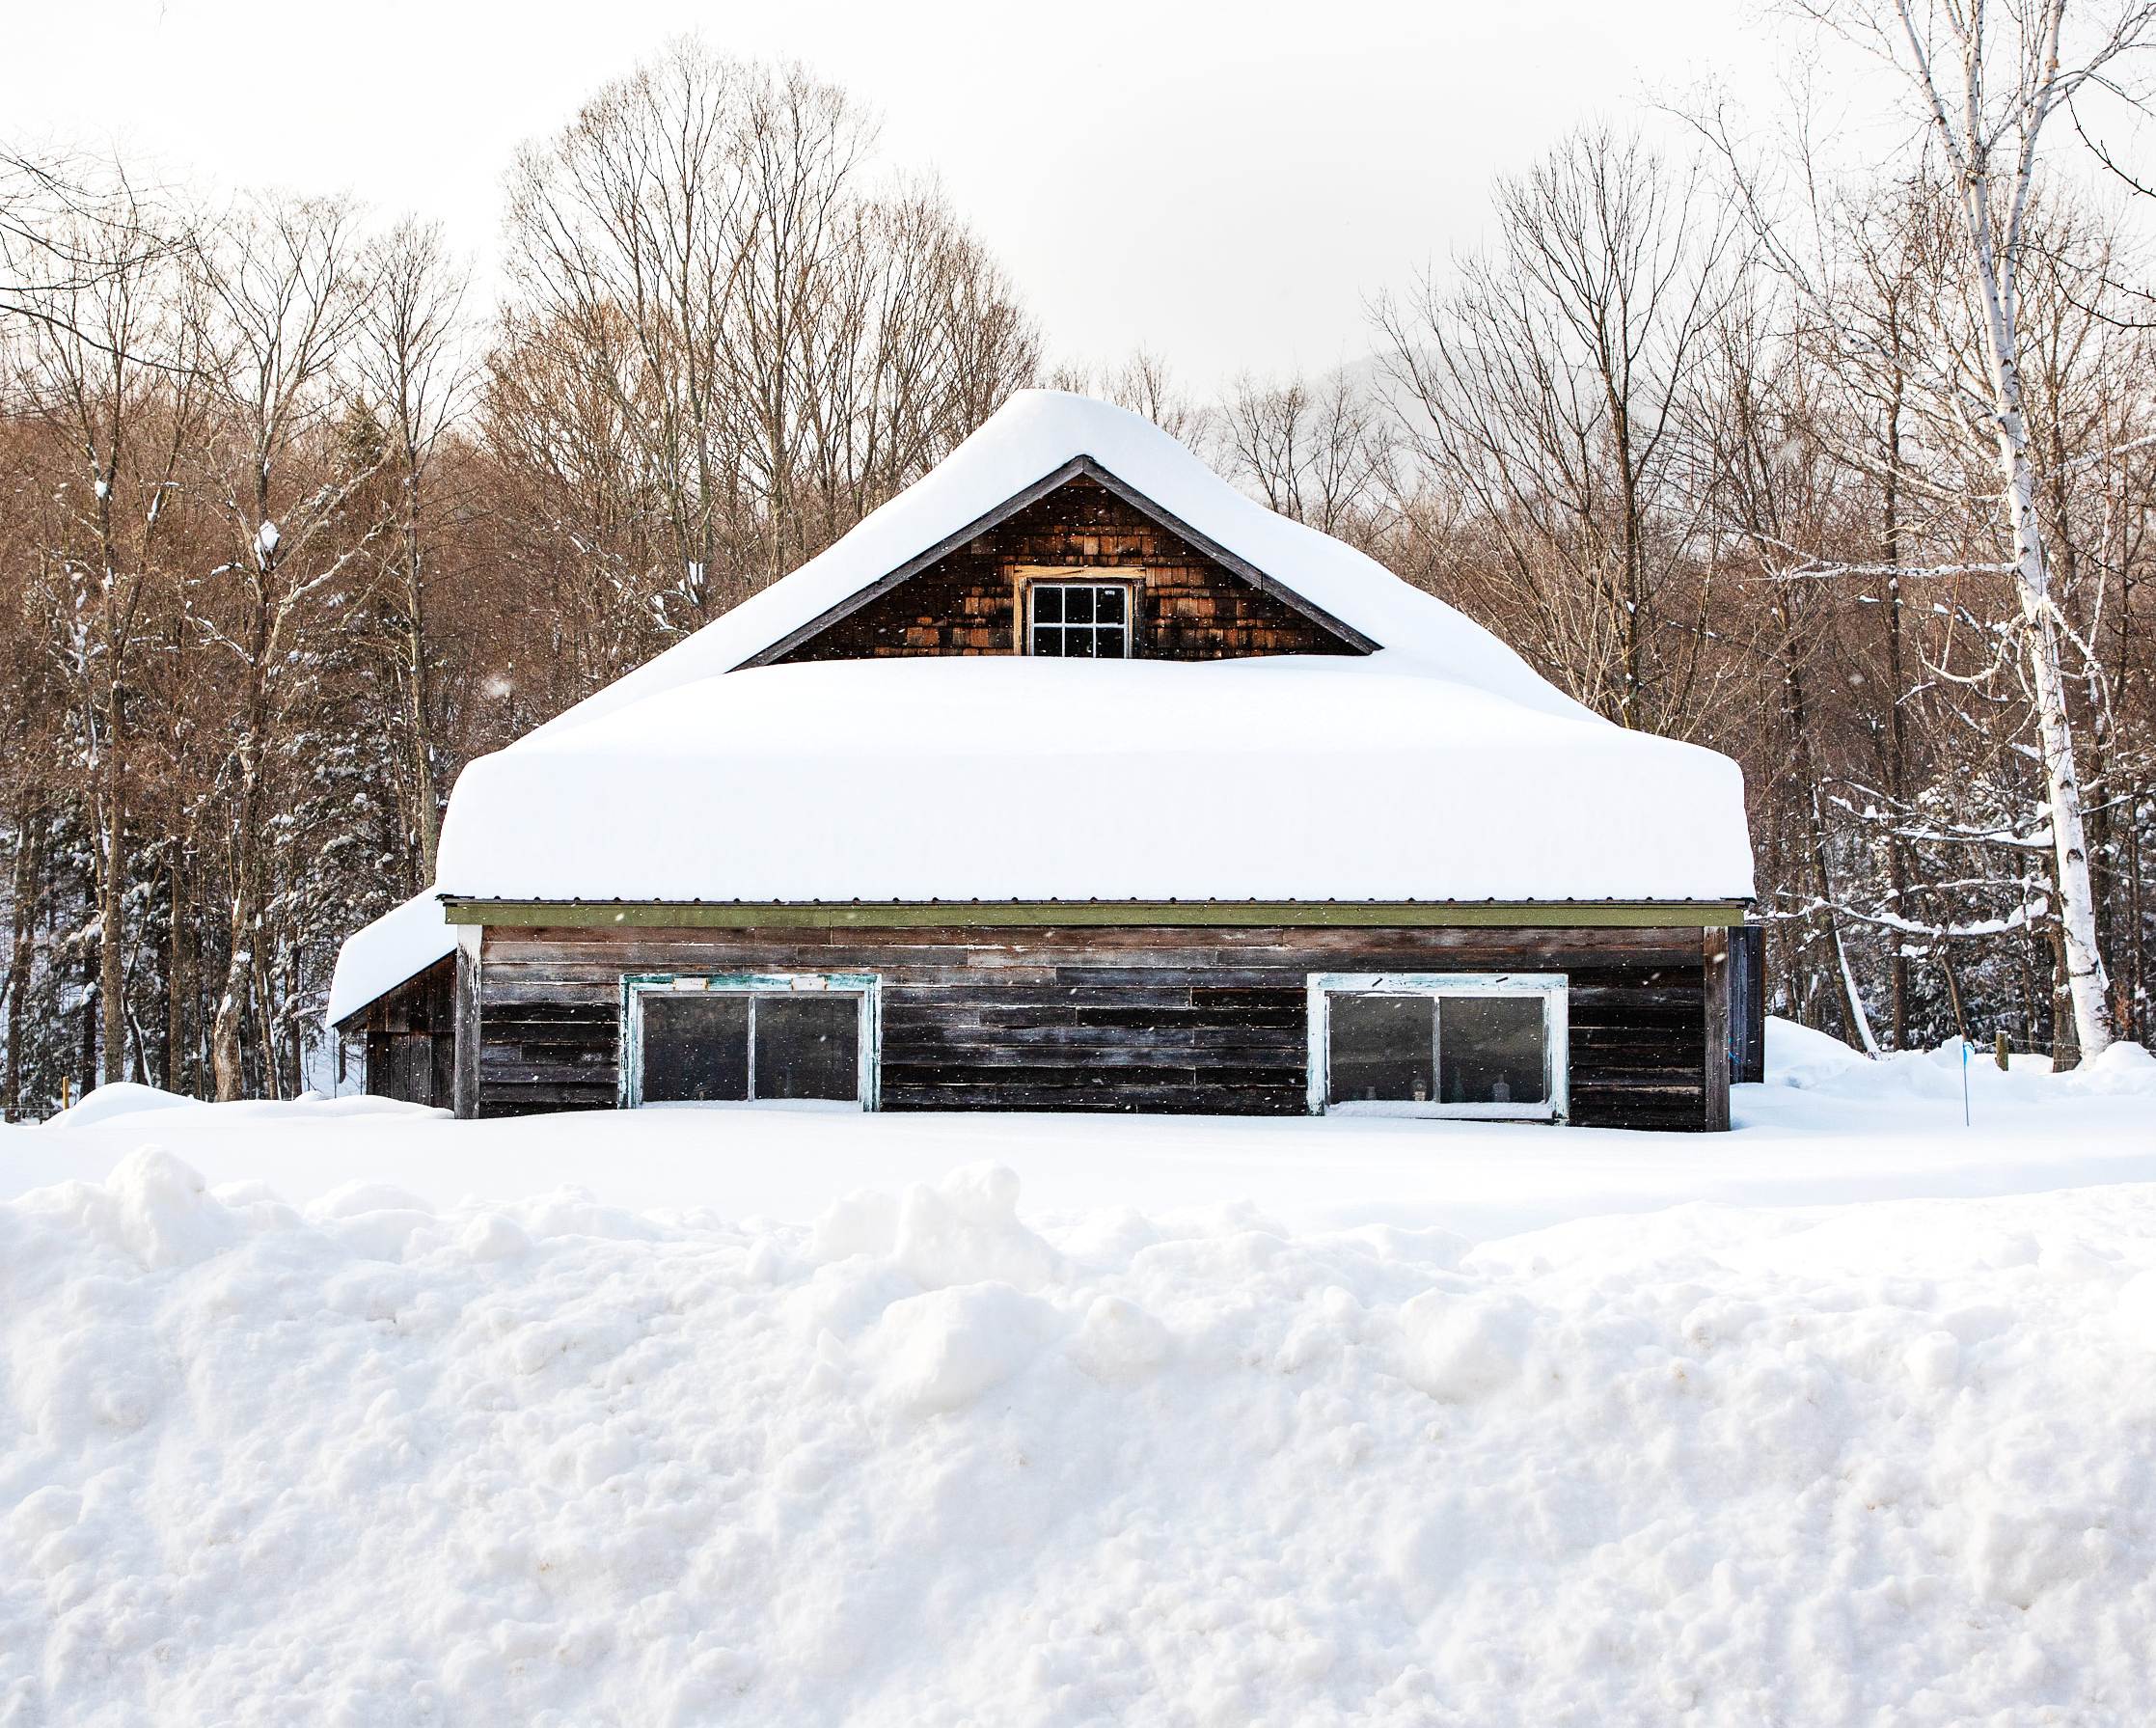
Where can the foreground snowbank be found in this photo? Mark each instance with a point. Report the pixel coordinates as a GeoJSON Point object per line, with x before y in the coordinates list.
{"type": "Point", "coordinates": [920, 1463]}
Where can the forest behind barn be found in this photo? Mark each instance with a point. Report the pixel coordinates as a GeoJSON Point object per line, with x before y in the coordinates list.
{"type": "Point", "coordinates": [294, 522]}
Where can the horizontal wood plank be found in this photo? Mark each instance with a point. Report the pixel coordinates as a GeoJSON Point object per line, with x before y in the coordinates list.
{"type": "Point", "coordinates": [1167, 1018]}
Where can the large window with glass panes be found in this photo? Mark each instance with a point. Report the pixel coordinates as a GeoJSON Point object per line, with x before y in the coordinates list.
{"type": "Point", "coordinates": [1488, 1046]}
{"type": "Point", "coordinates": [1088, 620]}
{"type": "Point", "coordinates": [803, 1039]}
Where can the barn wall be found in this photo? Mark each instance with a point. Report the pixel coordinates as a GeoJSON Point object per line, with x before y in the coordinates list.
{"type": "Point", "coordinates": [409, 1036]}
{"type": "Point", "coordinates": [1163, 1018]}
{"type": "Point", "coordinates": [1186, 606]}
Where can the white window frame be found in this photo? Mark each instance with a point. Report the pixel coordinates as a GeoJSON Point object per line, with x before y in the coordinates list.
{"type": "Point", "coordinates": [1550, 987]}
{"type": "Point", "coordinates": [1059, 580]}
{"type": "Point", "coordinates": [638, 987]}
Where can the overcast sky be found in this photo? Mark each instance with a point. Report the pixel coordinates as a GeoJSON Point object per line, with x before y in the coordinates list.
{"type": "Point", "coordinates": [1224, 184]}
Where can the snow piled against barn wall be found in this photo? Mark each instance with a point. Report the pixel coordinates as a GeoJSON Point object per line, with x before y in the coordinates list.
{"type": "Point", "coordinates": [1829, 1127]}
{"type": "Point", "coordinates": [930, 1461]}
{"type": "Point", "coordinates": [400, 944]}
{"type": "Point", "coordinates": [1011, 778]}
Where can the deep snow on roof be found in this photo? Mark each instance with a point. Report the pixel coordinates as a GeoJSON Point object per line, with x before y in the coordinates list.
{"type": "Point", "coordinates": [1031, 436]}
{"type": "Point", "coordinates": [400, 944]}
{"type": "Point", "coordinates": [1010, 778]}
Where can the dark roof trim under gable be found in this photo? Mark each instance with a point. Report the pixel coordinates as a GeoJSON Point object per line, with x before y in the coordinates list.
{"type": "Point", "coordinates": [1017, 501]}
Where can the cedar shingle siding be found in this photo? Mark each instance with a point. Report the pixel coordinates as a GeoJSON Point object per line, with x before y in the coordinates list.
{"type": "Point", "coordinates": [1188, 606]}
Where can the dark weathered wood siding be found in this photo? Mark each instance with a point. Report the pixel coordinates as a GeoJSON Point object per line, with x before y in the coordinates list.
{"type": "Point", "coordinates": [409, 1037]}
{"type": "Point", "coordinates": [1186, 605]}
{"type": "Point", "coordinates": [1166, 1018]}
{"type": "Point", "coordinates": [1748, 1003]}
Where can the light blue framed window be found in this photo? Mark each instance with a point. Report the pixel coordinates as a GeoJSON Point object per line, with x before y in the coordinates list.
{"type": "Point", "coordinates": [1481, 1046]}
{"type": "Point", "coordinates": [780, 1039]}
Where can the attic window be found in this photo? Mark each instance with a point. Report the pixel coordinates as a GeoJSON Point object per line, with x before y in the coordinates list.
{"type": "Point", "coordinates": [1078, 621]}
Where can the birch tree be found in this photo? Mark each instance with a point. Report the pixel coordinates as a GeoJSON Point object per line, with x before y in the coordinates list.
{"type": "Point", "coordinates": [1987, 77]}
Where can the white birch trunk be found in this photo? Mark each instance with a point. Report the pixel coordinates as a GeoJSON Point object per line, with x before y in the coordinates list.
{"type": "Point", "coordinates": [1970, 133]}
{"type": "Point", "coordinates": [1858, 1020]}
{"type": "Point", "coordinates": [2077, 906]}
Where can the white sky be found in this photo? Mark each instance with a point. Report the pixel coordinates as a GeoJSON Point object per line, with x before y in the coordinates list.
{"type": "Point", "coordinates": [1224, 183]}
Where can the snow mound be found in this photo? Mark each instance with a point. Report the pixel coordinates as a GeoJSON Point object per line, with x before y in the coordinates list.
{"type": "Point", "coordinates": [929, 1461]}
{"type": "Point", "coordinates": [2124, 1070]}
{"type": "Point", "coordinates": [117, 1098]}
{"type": "Point", "coordinates": [945, 1349]}
{"type": "Point", "coordinates": [1796, 1055]}
{"type": "Point", "coordinates": [1799, 1056]}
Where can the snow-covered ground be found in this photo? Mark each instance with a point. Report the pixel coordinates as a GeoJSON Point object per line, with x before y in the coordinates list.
{"type": "Point", "coordinates": [1113, 1422]}
{"type": "Point", "coordinates": [1831, 1128]}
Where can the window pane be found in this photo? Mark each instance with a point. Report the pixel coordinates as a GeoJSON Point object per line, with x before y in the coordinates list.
{"type": "Point", "coordinates": [1077, 641]}
{"type": "Point", "coordinates": [1379, 1047]}
{"type": "Point", "coordinates": [808, 1046]}
{"type": "Point", "coordinates": [1048, 640]}
{"type": "Point", "coordinates": [1077, 606]}
{"type": "Point", "coordinates": [1111, 643]}
{"type": "Point", "coordinates": [1492, 1050]}
{"type": "Point", "coordinates": [1110, 606]}
{"type": "Point", "coordinates": [1048, 605]}
{"type": "Point", "coordinates": [695, 1048]}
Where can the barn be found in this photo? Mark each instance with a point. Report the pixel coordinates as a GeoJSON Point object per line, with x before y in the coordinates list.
{"type": "Point", "coordinates": [1071, 779]}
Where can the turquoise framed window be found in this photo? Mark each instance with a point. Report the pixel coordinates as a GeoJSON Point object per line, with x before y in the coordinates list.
{"type": "Point", "coordinates": [802, 1040]}
{"type": "Point", "coordinates": [1483, 1046]}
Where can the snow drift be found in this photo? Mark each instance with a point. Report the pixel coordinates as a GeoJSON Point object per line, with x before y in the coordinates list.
{"type": "Point", "coordinates": [924, 1462]}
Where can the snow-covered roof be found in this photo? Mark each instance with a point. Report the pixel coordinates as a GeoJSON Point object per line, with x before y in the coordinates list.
{"type": "Point", "coordinates": [1439, 767]}
{"type": "Point", "coordinates": [398, 945]}
{"type": "Point", "coordinates": [1033, 435]}
{"type": "Point", "coordinates": [1005, 776]}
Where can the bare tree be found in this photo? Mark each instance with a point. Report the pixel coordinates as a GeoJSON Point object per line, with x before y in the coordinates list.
{"type": "Point", "coordinates": [626, 246]}
{"type": "Point", "coordinates": [1550, 387]}
{"type": "Point", "coordinates": [1145, 383]}
{"type": "Point", "coordinates": [282, 300]}
{"type": "Point", "coordinates": [1779, 489]}
{"type": "Point", "coordinates": [412, 366]}
{"type": "Point", "coordinates": [68, 225]}
{"type": "Point", "coordinates": [1314, 452]}
{"type": "Point", "coordinates": [780, 343]}
{"type": "Point", "coordinates": [108, 361]}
